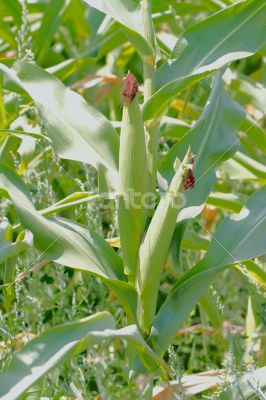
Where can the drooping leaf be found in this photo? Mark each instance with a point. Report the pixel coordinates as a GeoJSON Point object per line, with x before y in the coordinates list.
{"type": "Point", "coordinates": [128, 13]}
{"type": "Point", "coordinates": [253, 272]}
{"type": "Point", "coordinates": [67, 242]}
{"type": "Point", "coordinates": [10, 80]}
{"type": "Point", "coordinates": [59, 344]}
{"type": "Point", "coordinates": [239, 237]}
{"type": "Point", "coordinates": [77, 130]}
{"type": "Point", "coordinates": [217, 40]}
{"type": "Point", "coordinates": [160, 101]}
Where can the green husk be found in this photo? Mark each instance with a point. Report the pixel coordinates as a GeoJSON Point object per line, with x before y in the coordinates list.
{"type": "Point", "coordinates": [155, 247]}
{"type": "Point", "coordinates": [134, 184]}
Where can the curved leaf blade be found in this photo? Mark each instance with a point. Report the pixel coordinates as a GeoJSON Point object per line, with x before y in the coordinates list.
{"type": "Point", "coordinates": [77, 130]}
{"type": "Point", "coordinates": [59, 239]}
{"type": "Point", "coordinates": [127, 13]}
{"type": "Point", "coordinates": [224, 37]}
{"type": "Point", "coordinates": [237, 239]}
{"type": "Point", "coordinates": [240, 236]}
{"type": "Point", "coordinates": [212, 140]}
{"type": "Point", "coordinates": [69, 243]}
{"type": "Point", "coordinates": [44, 352]}
{"type": "Point", "coordinates": [59, 344]}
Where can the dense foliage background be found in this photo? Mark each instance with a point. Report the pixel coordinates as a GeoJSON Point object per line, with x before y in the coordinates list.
{"type": "Point", "coordinates": [90, 53]}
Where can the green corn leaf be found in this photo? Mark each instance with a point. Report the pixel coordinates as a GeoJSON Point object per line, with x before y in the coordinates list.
{"type": "Point", "coordinates": [6, 34]}
{"type": "Point", "coordinates": [51, 20]}
{"type": "Point", "coordinates": [69, 67]}
{"type": "Point", "coordinates": [155, 246]}
{"type": "Point", "coordinates": [240, 172]}
{"type": "Point", "coordinates": [67, 242]}
{"type": "Point", "coordinates": [188, 239]}
{"type": "Point", "coordinates": [251, 165]}
{"type": "Point", "coordinates": [70, 201]}
{"type": "Point", "coordinates": [160, 101]}
{"type": "Point", "coordinates": [77, 130]}
{"type": "Point", "coordinates": [207, 46]}
{"type": "Point", "coordinates": [107, 40]}
{"type": "Point", "coordinates": [133, 169]}
{"type": "Point", "coordinates": [59, 344]}
{"type": "Point", "coordinates": [212, 140]}
{"type": "Point", "coordinates": [240, 237]}
{"type": "Point", "coordinates": [10, 80]}
{"type": "Point", "coordinates": [20, 134]}
{"type": "Point", "coordinates": [129, 15]}
{"type": "Point", "coordinates": [194, 241]}
{"type": "Point", "coordinates": [173, 128]}
{"type": "Point", "coordinates": [217, 40]}
{"type": "Point", "coordinates": [225, 201]}
{"type": "Point", "coordinates": [255, 132]}
{"type": "Point", "coordinates": [254, 272]}
{"type": "Point", "coordinates": [209, 305]}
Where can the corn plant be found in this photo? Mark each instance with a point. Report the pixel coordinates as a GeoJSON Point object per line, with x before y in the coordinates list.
{"type": "Point", "coordinates": [157, 191]}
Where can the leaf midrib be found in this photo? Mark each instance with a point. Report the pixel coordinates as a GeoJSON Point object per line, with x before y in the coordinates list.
{"type": "Point", "coordinates": [227, 37]}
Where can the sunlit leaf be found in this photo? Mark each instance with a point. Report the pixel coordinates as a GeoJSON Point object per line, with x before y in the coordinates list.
{"type": "Point", "coordinates": [127, 13]}
{"type": "Point", "coordinates": [77, 130]}
{"type": "Point", "coordinates": [59, 344]}
{"type": "Point", "coordinates": [207, 46]}
{"type": "Point", "coordinates": [212, 140]}
{"type": "Point", "coordinates": [239, 237]}
{"type": "Point", "coordinates": [67, 242]}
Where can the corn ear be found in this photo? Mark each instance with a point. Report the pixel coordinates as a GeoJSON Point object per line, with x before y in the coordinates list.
{"type": "Point", "coordinates": [155, 246]}
{"type": "Point", "coordinates": [134, 183]}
